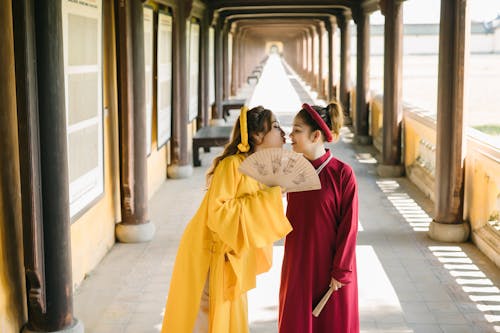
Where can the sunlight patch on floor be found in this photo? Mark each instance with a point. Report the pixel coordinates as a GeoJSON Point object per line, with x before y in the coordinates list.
{"type": "Point", "coordinates": [473, 281]}
{"type": "Point", "coordinates": [375, 289]}
{"type": "Point", "coordinates": [409, 209]}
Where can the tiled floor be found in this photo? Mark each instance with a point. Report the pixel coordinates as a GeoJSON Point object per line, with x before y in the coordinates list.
{"type": "Point", "coordinates": [407, 282]}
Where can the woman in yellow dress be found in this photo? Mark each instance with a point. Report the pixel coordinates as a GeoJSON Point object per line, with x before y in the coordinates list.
{"type": "Point", "coordinates": [229, 240]}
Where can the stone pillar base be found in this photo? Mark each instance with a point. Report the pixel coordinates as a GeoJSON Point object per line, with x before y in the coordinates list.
{"type": "Point", "coordinates": [77, 327]}
{"type": "Point", "coordinates": [135, 233]}
{"type": "Point", "coordinates": [450, 233]}
{"type": "Point", "coordinates": [176, 171]}
{"type": "Point", "coordinates": [363, 140]}
{"type": "Point", "coordinates": [390, 171]}
{"type": "Point", "coordinates": [217, 122]}
{"type": "Point", "coordinates": [347, 120]}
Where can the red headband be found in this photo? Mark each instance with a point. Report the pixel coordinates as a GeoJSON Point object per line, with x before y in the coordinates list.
{"type": "Point", "coordinates": [318, 120]}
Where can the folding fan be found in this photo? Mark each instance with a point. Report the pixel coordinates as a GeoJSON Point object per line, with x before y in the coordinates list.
{"type": "Point", "coordinates": [280, 167]}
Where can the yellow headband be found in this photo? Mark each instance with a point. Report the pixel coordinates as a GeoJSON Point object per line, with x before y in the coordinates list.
{"type": "Point", "coordinates": [244, 146]}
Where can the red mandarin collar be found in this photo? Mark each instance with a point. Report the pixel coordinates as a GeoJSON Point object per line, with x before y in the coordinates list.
{"type": "Point", "coordinates": [317, 162]}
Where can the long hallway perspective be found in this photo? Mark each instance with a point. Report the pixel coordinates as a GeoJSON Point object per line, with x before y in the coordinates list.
{"type": "Point", "coordinates": [408, 283]}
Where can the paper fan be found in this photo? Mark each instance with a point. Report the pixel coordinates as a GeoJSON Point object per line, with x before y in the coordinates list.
{"type": "Point", "coordinates": [277, 166]}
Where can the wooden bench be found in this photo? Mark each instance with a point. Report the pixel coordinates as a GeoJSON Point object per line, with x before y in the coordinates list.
{"type": "Point", "coordinates": [231, 104]}
{"type": "Point", "coordinates": [252, 79]}
{"type": "Point", "coordinates": [210, 136]}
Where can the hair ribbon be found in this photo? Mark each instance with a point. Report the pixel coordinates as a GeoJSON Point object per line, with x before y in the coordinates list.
{"type": "Point", "coordinates": [243, 146]}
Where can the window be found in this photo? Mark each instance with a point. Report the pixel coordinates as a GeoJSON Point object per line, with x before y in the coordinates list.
{"type": "Point", "coordinates": [164, 96]}
{"type": "Point", "coordinates": [211, 65]}
{"type": "Point", "coordinates": [82, 24]}
{"type": "Point", "coordinates": [194, 56]}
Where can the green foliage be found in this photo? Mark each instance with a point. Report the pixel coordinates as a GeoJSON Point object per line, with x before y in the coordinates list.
{"type": "Point", "coordinates": [491, 129]}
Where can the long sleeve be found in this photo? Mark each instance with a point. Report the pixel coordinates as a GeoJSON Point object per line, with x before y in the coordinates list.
{"type": "Point", "coordinates": [343, 260]}
{"type": "Point", "coordinates": [244, 220]}
{"type": "Point", "coordinates": [247, 220]}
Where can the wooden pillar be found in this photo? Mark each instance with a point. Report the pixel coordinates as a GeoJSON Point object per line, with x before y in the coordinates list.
{"type": "Point", "coordinates": [393, 104]}
{"type": "Point", "coordinates": [135, 225]}
{"type": "Point", "coordinates": [16, 162]}
{"type": "Point", "coordinates": [52, 310]}
{"type": "Point", "coordinates": [345, 66]}
{"type": "Point", "coordinates": [181, 166]}
{"type": "Point", "coordinates": [218, 49]}
{"type": "Point", "coordinates": [320, 28]}
{"type": "Point", "coordinates": [204, 75]}
{"type": "Point", "coordinates": [298, 56]}
{"type": "Point", "coordinates": [448, 224]}
{"type": "Point", "coordinates": [241, 61]}
{"type": "Point", "coordinates": [330, 28]}
{"type": "Point", "coordinates": [312, 58]}
{"type": "Point", "coordinates": [29, 154]}
{"type": "Point", "coordinates": [305, 56]}
{"type": "Point", "coordinates": [301, 66]}
{"type": "Point", "coordinates": [235, 63]}
{"type": "Point", "coordinates": [361, 128]}
{"type": "Point", "coordinates": [225, 62]}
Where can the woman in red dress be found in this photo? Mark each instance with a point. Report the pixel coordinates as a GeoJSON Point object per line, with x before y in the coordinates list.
{"type": "Point", "coordinates": [320, 252]}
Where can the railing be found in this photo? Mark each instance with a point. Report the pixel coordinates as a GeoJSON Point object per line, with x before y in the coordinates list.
{"type": "Point", "coordinates": [420, 148]}
{"type": "Point", "coordinates": [482, 193]}
{"type": "Point", "coordinates": [482, 171]}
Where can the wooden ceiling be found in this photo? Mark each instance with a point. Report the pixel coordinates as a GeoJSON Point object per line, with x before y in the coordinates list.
{"type": "Point", "coordinates": [283, 19]}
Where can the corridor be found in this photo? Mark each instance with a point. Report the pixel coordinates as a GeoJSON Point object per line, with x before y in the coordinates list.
{"type": "Point", "coordinates": [407, 282]}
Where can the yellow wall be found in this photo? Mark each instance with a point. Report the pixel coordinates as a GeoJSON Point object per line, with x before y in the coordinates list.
{"type": "Point", "coordinates": [12, 285]}
{"type": "Point", "coordinates": [483, 187]}
{"type": "Point", "coordinates": [418, 126]}
{"type": "Point", "coordinates": [481, 195]}
{"type": "Point", "coordinates": [376, 114]}
{"type": "Point", "coordinates": [93, 234]}
{"type": "Point", "coordinates": [157, 163]}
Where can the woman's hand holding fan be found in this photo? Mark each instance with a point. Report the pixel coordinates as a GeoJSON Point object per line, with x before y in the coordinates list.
{"type": "Point", "coordinates": [280, 167]}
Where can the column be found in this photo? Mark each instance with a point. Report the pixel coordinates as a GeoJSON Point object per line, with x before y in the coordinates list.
{"type": "Point", "coordinates": [204, 75]}
{"type": "Point", "coordinates": [312, 58]}
{"type": "Point", "coordinates": [53, 311]}
{"type": "Point", "coordinates": [345, 66]}
{"type": "Point", "coordinates": [361, 128]}
{"type": "Point", "coordinates": [18, 212]}
{"type": "Point", "coordinates": [390, 165]}
{"type": "Point", "coordinates": [330, 27]}
{"type": "Point", "coordinates": [448, 224]}
{"type": "Point", "coordinates": [235, 62]}
{"type": "Point", "coordinates": [320, 29]}
{"type": "Point", "coordinates": [225, 62]}
{"type": "Point", "coordinates": [135, 225]}
{"type": "Point", "coordinates": [181, 166]}
{"type": "Point", "coordinates": [218, 49]}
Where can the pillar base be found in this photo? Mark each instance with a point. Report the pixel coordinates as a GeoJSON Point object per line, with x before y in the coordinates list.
{"type": "Point", "coordinates": [77, 327]}
{"type": "Point", "coordinates": [217, 122]}
{"type": "Point", "coordinates": [347, 120]}
{"type": "Point", "coordinates": [176, 171]}
{"type": "Point", "coordinates": [390, 171]}
{"type": "Point", "coordinates": [135, 233]}
{"type": "Point", "coordinates": [363, 140]}
{"type": "Point", "coordinates": [449, 233]}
